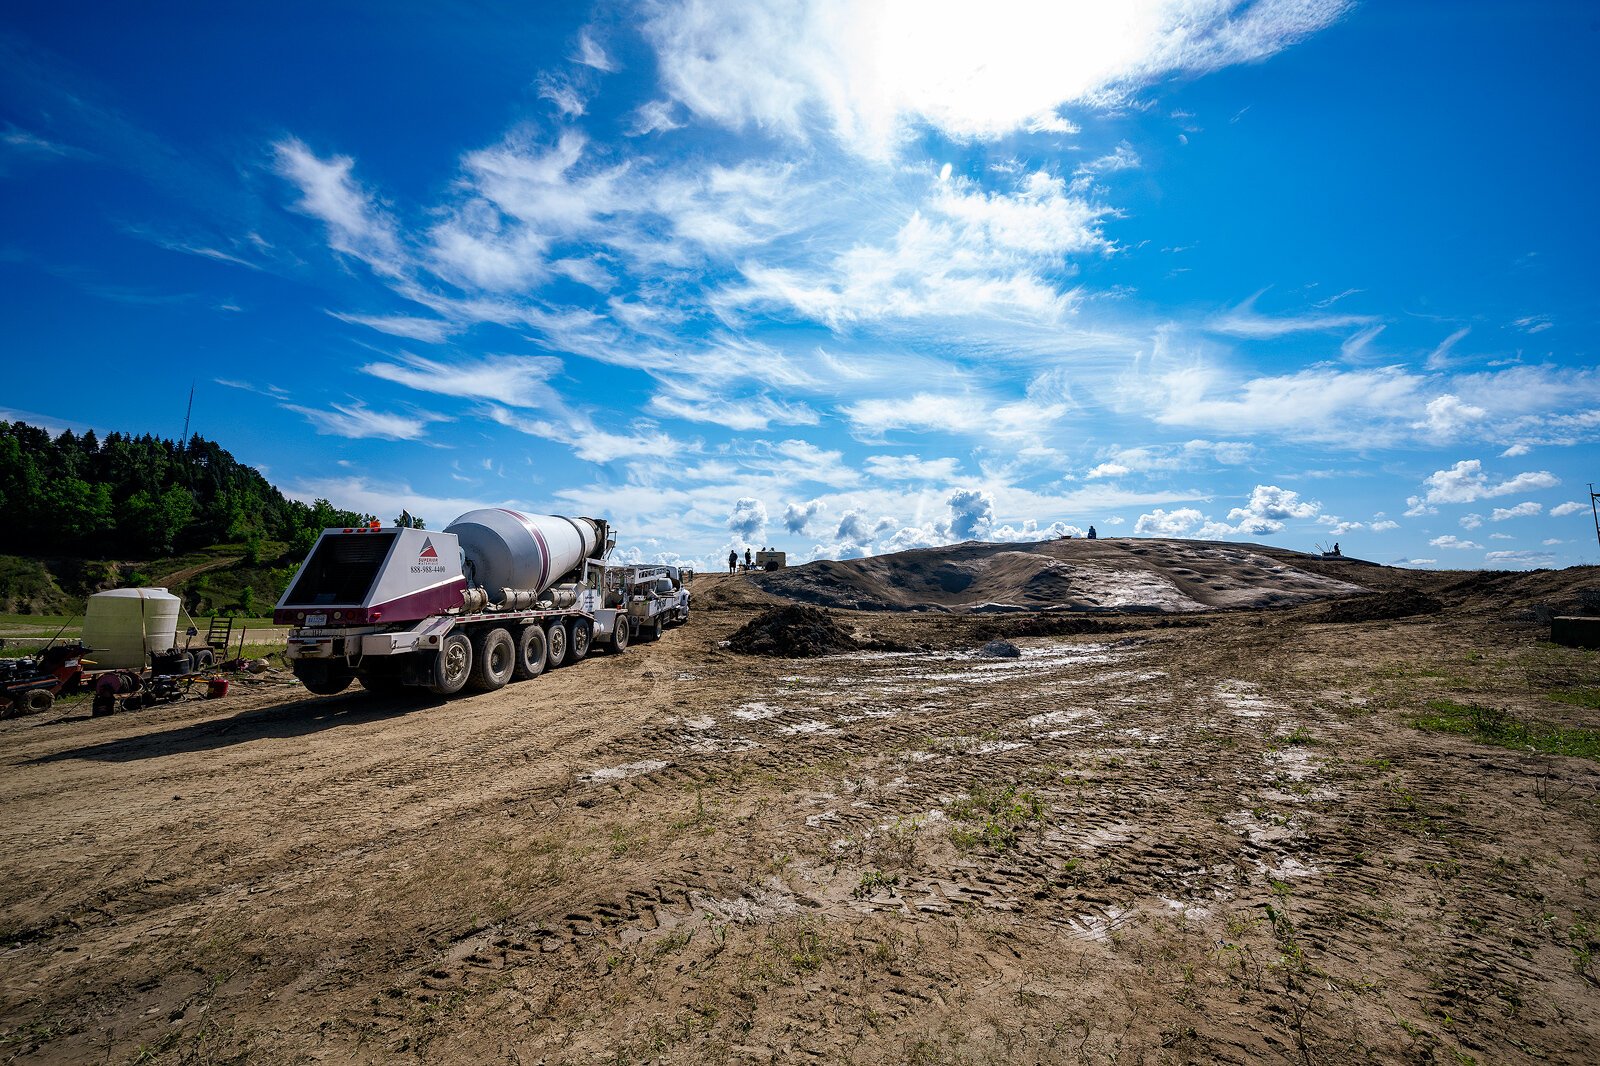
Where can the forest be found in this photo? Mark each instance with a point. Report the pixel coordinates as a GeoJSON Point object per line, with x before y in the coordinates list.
{"type": "Point", "coordinates": [141, 497]}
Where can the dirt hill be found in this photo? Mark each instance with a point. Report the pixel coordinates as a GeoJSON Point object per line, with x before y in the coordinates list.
{"type": "Point", "coordinates": [1079, 575]}
{"type": "Point", "coordinates": [1147, 575]}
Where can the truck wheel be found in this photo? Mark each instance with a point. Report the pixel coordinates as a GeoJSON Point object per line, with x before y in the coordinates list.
{"type": "Point", "coordinates": [494, 656]}
{"type": "Point", "coordinates": [653, 630]}
{"type": "Point", "coordinates": [322, 679]}
{"type": "Point", "coordinates": [619, 635]}
{"type": "Point", "coordinates": [530, 654]}
{"type": "Point", "coordinates": [453, 665]}
{"type": "Point", "coordinates": [582, 636]}
{"type": "Point", "coordinates": [556, 645]}
{"type": "Point", "coordinates": [38, 701]}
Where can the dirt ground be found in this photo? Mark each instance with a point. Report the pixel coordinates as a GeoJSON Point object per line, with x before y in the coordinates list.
{"type": "Point", "coordinates": [1221, 841]}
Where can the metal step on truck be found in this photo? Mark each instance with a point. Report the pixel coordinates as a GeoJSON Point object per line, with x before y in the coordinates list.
{"type": "Point", "coordinates": [498, 596]}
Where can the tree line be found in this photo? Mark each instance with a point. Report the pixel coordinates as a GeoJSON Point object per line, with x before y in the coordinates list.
{"type": "Point", "coordinates": [141, 497]}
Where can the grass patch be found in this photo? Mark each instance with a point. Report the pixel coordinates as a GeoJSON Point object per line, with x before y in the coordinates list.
{"type": "Point", "coordinates": [1588, 698]}
{"type": "Point", "coordinates": [1491, 725]}
{"type": "Point", "coordinates": [993, 816]}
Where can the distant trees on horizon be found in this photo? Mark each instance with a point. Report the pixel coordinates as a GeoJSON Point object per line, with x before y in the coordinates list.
{"type": "Point", "coordinates": [141, 497]}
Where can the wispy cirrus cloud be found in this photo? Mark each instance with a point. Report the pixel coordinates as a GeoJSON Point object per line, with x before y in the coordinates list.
{"type": "Point", "coordinates": [1243, 320]}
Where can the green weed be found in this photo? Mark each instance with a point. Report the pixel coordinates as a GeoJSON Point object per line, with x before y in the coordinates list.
{"type": "Point", "coordinates": [1492, 725]}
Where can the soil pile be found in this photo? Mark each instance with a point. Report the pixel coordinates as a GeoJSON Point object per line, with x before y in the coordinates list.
{"type": "Point", "coordinates": [792, 632]}
{"type": "Point", "coordinates": [1401, 603]}
{"type": "Point", "coordinates": [1081, 576]}
{"type": "Point", "coordinates": [1000, 649]}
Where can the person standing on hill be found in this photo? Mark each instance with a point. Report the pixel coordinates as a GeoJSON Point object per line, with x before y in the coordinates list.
{"type": "Point", "coordinates": [747, 560]}
{"type": "Point", "coordinates": [733, 561]}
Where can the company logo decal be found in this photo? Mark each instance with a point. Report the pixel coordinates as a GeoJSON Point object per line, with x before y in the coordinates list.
{"type": "Point", "coordinates": [428, 559]}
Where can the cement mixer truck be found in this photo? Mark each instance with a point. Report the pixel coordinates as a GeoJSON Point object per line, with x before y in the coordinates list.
{"type": "Point", "coordinates": [497, 596]}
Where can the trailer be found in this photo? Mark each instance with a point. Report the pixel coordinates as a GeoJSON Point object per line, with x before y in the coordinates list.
{"type": "Point", "coordinates": [498, 596]}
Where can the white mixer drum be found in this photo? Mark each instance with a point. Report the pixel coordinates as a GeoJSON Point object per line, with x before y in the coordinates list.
{"type": "Point", "coordinates": [506, 549]}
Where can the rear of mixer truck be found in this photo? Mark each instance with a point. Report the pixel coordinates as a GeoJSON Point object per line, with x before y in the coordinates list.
{"type": "Point", "coordinates": [497, 596]}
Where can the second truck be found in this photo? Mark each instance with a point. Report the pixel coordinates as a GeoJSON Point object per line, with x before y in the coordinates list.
{"type": "Point", "coordinates": [498, 596]}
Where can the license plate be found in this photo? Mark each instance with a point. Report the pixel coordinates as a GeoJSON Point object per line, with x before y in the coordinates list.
{"type": "Point", "coordinates": [316, 619]}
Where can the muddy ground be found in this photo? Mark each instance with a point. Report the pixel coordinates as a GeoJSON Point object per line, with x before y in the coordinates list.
{"type": "Point", "coordinates": [1221, 840]}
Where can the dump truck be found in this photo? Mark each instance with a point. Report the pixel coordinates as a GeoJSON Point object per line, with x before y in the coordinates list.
{"type": "Point", "coordinates": [498, 596]}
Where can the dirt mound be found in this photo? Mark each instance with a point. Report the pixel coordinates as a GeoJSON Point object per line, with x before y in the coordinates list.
{"type": "Point", "coordinates": [1083, 576]}
{"type": "Point", "coordinates": [1401, 603]}
{"type": "Point", "coordinates": [792, 632]}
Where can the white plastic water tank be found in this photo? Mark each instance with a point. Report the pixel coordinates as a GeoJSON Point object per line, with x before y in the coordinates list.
{"type": "Point", "coordinates": [124, 625]}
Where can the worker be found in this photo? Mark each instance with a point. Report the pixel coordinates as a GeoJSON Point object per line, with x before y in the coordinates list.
{"type": "Point", "coordinates": [747, 560]}
{"type": "Point", "coordinates": [733, 561]}
{"type": "Point", "coordinates": [1092, 533]}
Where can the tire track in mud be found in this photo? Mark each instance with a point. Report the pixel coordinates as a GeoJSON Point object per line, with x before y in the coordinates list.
{"type": "Point", "coordinates": [1091, 819]}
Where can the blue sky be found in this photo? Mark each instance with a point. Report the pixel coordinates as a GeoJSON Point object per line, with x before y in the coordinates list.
{"type": "Point", "coordinates": [837, 278]}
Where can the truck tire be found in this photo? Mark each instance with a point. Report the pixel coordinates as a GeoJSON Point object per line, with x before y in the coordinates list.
{"type": "Point", "coordinates": [321, 679]}
{"type": "Point", "coordinates": [38, 700]}
{"type": "Point", "coordinates": [652, 629]}
{"type": "Point", "coordinates": [453, 665]}
{"type": "Point", "coordinates": [620, 635]}
{"type": "Point", "coordinates": [555, 645]}
{"type": "Point", "coordinates": [581, 636]}
{"type": "Point", "coordinates": [531, 648]}
{"type": "Point", "coordinates": [494, 656]}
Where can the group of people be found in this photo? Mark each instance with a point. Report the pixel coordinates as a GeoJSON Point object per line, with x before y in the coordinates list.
{"type": "Point", "coordinates": [733, 561]}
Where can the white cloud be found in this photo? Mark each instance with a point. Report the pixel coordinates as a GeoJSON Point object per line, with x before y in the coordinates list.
{"type": "Point", "coordinates": [1521, 558]}
{"type": "Point", "coordinates": [1384, 525]}
{"type": "Point", "coordinates": [1465, 482]}
{"type": "Point", "coordinates": [515, 380]}
{"type": "Point", "coordinates": [656, 116]}
{"type": "Point", "coordinates": [797, 517]}
{"type": "Point", "coordinates": [919, 412]}
{"type": "Point", "coordinates": [567, 99]}
{"type": "Point", "coordinates": [1448, 416]}
{"type": "Point", "coordinates": [1439, 358]}
{"type": "Point", "coordinates": [911, 468]}
{"type": "Point", "coordinates": [1533, 324]}
{"type": "Point", "coordinates": [971, 514]}
{"type": "Point", "coordinates": [1107, 470]}
{"type": "Point", "coordinates": [1515, 450]}
{"type": "Point", "coordinates": [1160, 523]}
{"type": "Point", "coordinates": [357, 225]}
{"type": "Point", "coordinates": [1452, 541]}
{"type": "Point", "coordinates": [427, 330]}
{"type": "Point", "coordinates": [875, 71]}
{"type": "Point", "coordinates": [1269, 507]}
{"type": "Point", "coordinates": [590, 53]}
{"type": "Point", "coordinates": [1521, 510]}
{"type": "Point", "coordinates": [1471, 521]}
{"type": "Point", "coordinates": [1245, 321]}
{"type": "Point", "coordinates": [357, 422]}
{"type": "Point", "coordinates": [1561, 510]}
{"type": "Point", "coordinates": [748, 520]}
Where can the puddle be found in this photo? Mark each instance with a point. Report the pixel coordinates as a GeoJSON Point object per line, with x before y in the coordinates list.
{"type": "Point", "coordinates": [755, 711]}
{"type": "Point", "coordinates": [810, 725]}
{"type": "Point", "coordinates": [617, 773]}
{"type": "Point", "coordinates": [1098, 926]}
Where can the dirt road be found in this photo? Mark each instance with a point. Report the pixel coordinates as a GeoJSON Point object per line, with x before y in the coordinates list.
{"type": "Point", "coordinates": [1219, 842]}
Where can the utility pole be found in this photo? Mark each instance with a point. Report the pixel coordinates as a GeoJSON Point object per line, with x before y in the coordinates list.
{"type": "Point", "coordinates": [190, 410]}
{"type": "Point", "coordinates": [1593, 496]}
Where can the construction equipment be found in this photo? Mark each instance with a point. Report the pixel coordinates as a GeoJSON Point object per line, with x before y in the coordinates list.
{"type": "Point", "coordinates": [499, 595]}
{"type": "Point", "coordinates": [657, 597]}
{"type": "Point", "coordinates": [30, 684]}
